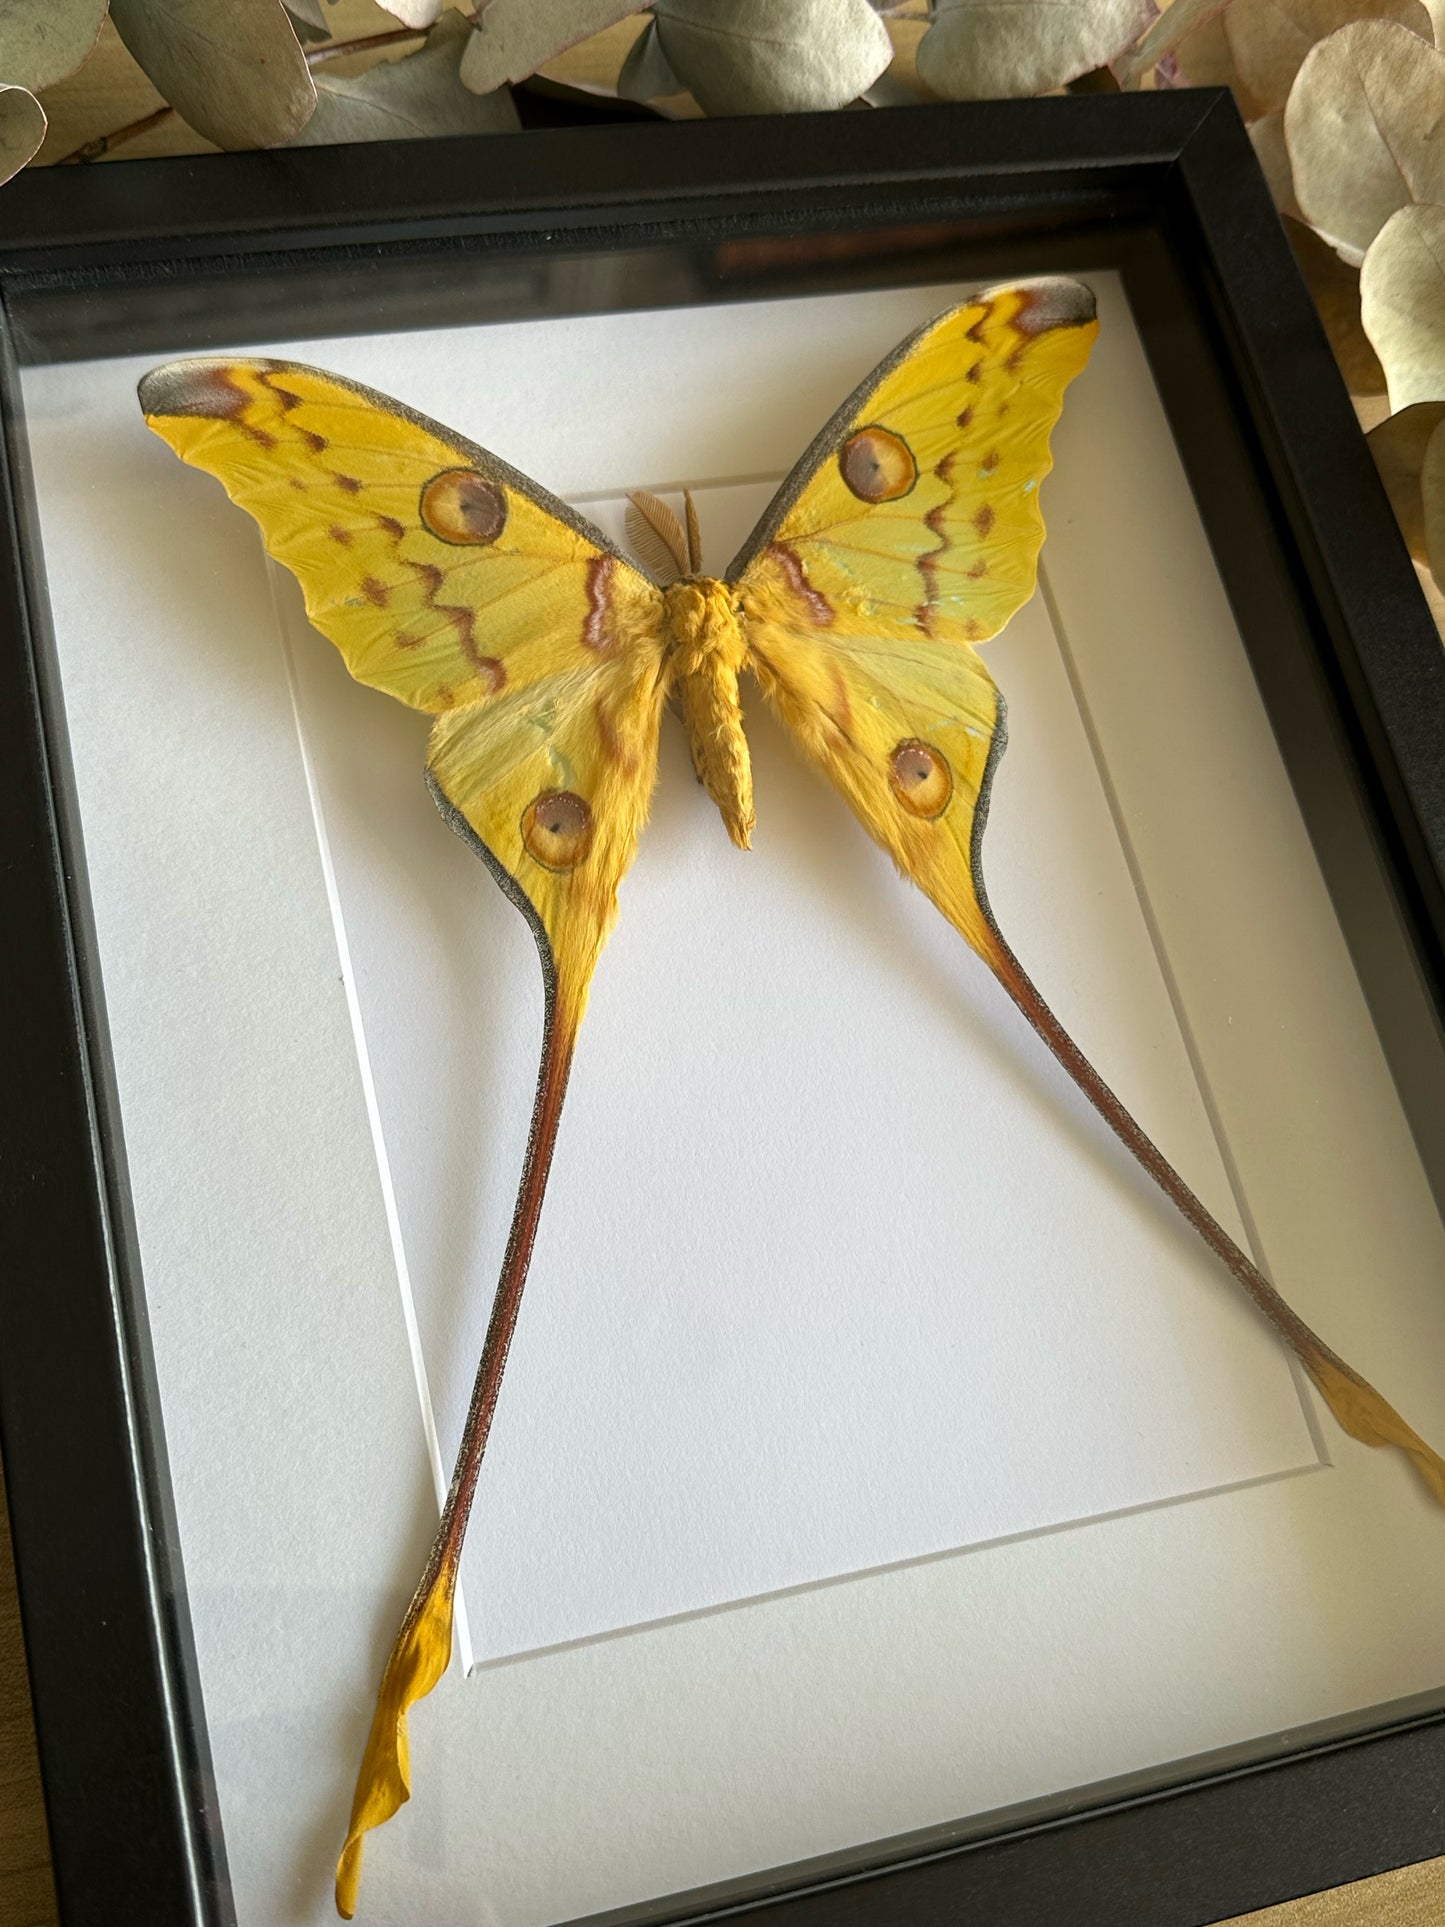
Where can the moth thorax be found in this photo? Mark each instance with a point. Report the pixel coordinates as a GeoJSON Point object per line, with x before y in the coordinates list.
{"type": "Point", "coordinates": [705, 632]}
{"type": "Point", "coordinates": [707, 652]}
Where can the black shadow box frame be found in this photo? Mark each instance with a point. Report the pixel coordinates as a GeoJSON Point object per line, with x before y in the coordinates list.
{"type": "Point", "coordinates": [1163, 188]}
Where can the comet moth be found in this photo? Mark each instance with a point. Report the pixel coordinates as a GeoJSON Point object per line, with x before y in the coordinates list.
{"type": "Point", "coordinates": [906, 536]}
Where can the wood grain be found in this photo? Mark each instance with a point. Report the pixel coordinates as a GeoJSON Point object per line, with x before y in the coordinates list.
{"type": "Point", "coordinates": [27, 1893]}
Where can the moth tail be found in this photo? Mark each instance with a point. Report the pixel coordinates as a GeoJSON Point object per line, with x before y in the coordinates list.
{"type": "Point", "coordinates": [1358, 1408]}
{"type": "Point", "coordinates": [1366, 1416]}
{"type": "Point", "coordinates": [424, 1645]}
{"type": "Point", "coordinates": [418, 1660]}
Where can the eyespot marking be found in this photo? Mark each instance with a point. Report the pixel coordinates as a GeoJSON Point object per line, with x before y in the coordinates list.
{"type": "Point", "coordinates": [463, 508]}
{"type": "Point", "coordinates": [557, 830]}
{"type": "Point", "coordinates": [877, 465]}
{"type": "Point", "coordinates": [920, 778]}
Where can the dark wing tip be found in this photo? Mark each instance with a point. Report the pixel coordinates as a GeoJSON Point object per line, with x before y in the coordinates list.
{"type": "Point", "coordinates": [1053, 301]}
{"type": "Point", "coordinates": [206, 388]}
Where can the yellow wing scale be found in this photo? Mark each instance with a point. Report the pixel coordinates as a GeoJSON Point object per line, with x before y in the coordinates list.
{"type": "Point", "coordinates": [909, 734]}
{"type": "Point", "coordinates": [916, 512]}
{"type": "Point", "coordinates": [457, 586]}
{"type": "Point", "coordinates": [555, 782]}
{"type": "Point", "coordinates": [908, 533]}
{"type": "Point", "coordinates": [440, 574]}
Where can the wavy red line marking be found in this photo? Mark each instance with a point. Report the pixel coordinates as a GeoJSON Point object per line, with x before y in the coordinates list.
{"type": "Point", "coordinates": [599, 603]}
{"type": "Point", "coordinates": [819, 608]}
{"type": "Point", "coordinates": [462, 619]}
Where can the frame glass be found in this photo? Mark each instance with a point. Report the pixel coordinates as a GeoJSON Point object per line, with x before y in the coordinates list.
{"type": "Point", "coordinates": [1160, 201]}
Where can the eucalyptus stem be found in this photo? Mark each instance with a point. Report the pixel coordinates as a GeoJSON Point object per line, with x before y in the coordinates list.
{"type": "Point", "coordinates": [92, 150]}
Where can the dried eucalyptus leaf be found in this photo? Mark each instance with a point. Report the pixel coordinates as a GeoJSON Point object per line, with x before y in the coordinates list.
{"type": "Point", "coordinates": [1398, 445]}
{"type": "Point", "coordinates": [755, 57]}
{"type": "Point", "coordinates": [645, 73]}
{"type": "Point", "coordinates": [22, 129]}
{"type": "Point", "coordinates": [1267, 136]}
{"type": "Point", "coordinates": [1361, 129]}
{"type": "Point", "coordinates": [1402, 304]}
{"type": "Point", "coordinates": [1203, 59]}
{"type": "Point", "coordinates": [309, 20]}
{"type": "Point", "coordinates": [514, 37]}
{"type": "Point", "coordinates": [999, 49]}
{"type": "Point", "coordinates": [1432, 504]}
{"type": "Point", "coordinates": [408, 99]}
{"type": "Point", "coordinates": [895, 89]}
{"type": "Point", "coordinates": [1270, 38]}
{"type": "Point", "coordinates": [414, 13]}
{"type": "Point", "coordinates": [1336, 291]}
{"type": "Point", "coordinates": [595, 65]}
{"type": "Point", "coordinates": [1175, 24]}
{"type": "Point", "coordinates": [45, 41]}
{"type": "Point", "coordinates": [236, 76]}
{"type": "Point", "coordinates": [898, 85]}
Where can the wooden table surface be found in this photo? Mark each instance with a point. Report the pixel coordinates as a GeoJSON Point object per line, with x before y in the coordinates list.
{"type": "Point", "coordinates": [111, 92]}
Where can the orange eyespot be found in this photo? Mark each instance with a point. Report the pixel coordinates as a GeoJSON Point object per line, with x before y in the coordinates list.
{"type": "Point", "coordinates": [920, 778]}
{"type": "Point", "coordinates": [463, 507]}
{"type": "Point", "coordinates": [877, 465]}
{"type": "Point", "coordinates": [557, 830]}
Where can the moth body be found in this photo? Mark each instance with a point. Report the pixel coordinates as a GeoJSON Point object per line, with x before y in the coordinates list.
{"type": "Point", "coordinates": [706, 650]}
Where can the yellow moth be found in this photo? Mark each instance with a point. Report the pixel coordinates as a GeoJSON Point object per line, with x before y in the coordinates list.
{"type": "Point", "coordinates": [907, 534]}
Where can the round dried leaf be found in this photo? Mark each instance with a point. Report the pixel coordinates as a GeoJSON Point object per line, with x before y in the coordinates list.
{"type": "Point", "coordinates": [1174, 25]}
{"type": "Point", "coordinates": [1336, 290]}
{"type": "Point", "coordinates": [22, 129]}
{"type": "Point", "coordinates": [1402, 304]}
{"type": "Point", "coordinates": [1432, 504]}
{"type": "Point", "coordinates": [412, 98]}
{"type": "Point", "coordinates": [1270, 38]}
{"type": "Point", "coordinates": [755, 57]}
{"type": "Point", "coordinates": [513, 38]}
{"type": "Point", "coordinates": [645, 73]}
{"type": "Point", "coordinates": [1360, 126]}
{"type": "Point", "coordinates": [414, 13]}
{"type": "Point", "coordinates": [45, 41]}
{"type": "Point", "coordinates": [1203, 59]}
{"type": "Point", "coordinates": [1398, 445]}
{"type": "Point", "coordinates": [239, 77]}
{"type": "Point", "coordinates": [1267, 136]}
{"type": "Point", "coordinates": [998, 50]}
{"type": "Point", "coordinates": [308, 17]}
